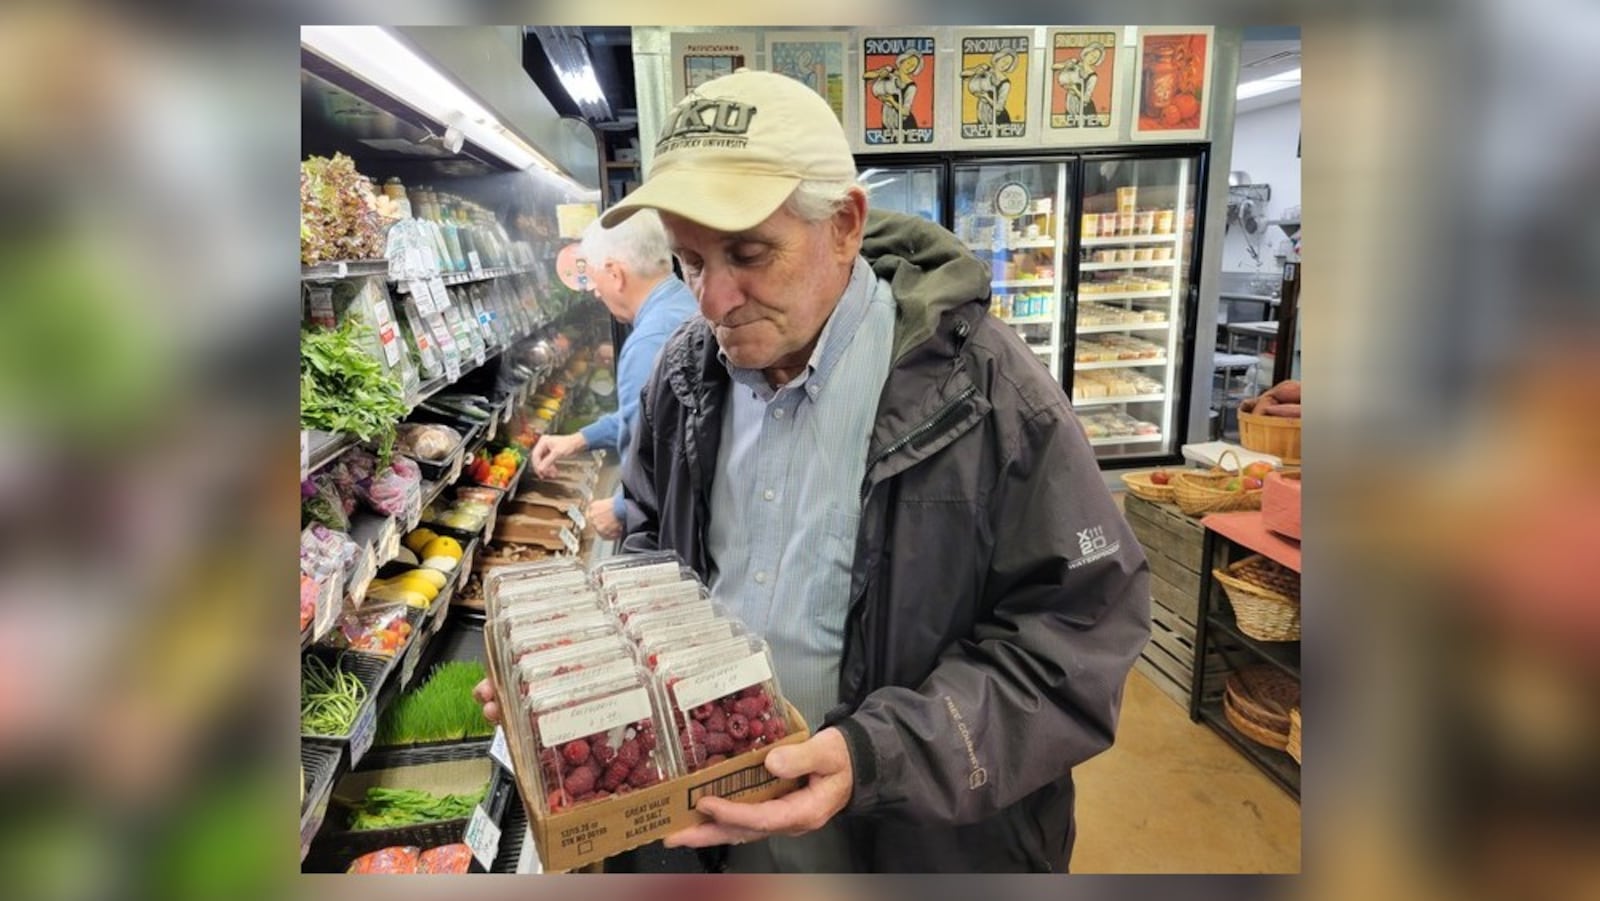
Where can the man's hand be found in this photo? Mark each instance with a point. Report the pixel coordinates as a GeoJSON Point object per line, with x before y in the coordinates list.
{"type": "Point", "coordinates": [604, 519]}
{"type": "Point", "coordinates": [484, 694]}
{"type": "Point", "coordinates": [823, 759]}
{"type": "Point", "coordinates": [552, 448]}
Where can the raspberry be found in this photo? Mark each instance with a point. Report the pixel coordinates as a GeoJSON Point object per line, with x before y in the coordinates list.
{"type": "Point", "coordinates": [549, 757]}
{"type": "Point", "coordinates": [717, 721]}
{"type": "Point", "coordinates": [694, 756]}
{"type": "Point", "coordinates": [775, 729]}
{"type": "Point", "coordinates": [703, 711]}
{"type": "Point", "coordinates": [718, 743]}
{"type": "Point", "coordinates": [647, 740]}
{"type": "Point", "coordinates": [630, 754]}
{"type": "Point", "coordinates": [579, 782]}
{"type": "Point", "coordinates": [756, 727]}
{"type": "Point", "coordinates": [750, 708]}
{"type": "Point", "coordinates": [738, 727]}
{"type": "Point", "coordinates": [603, 752]}
{"type": "Point", "coordinates": [742, 747]}
{"type": "Point", "coordinates": [715, 759]}
{"type": "Point", "coordinates": [645, 775]}
{"type": "Point", "coordinates": [697, 731]}
{"type": "Point", "coordinates": [557, 800]}
{"type": "Point", "coordinates": [616, 774]}
{"type": "Point", "coordinates": [576, 752]}
{"type": "Point", "coordinates": [751, 692]}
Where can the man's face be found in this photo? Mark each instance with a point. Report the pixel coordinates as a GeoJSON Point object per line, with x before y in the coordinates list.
{"type": "Point", "coordinates": [608, 287]}
{"type": "Point", "coordinates": [767, 291]}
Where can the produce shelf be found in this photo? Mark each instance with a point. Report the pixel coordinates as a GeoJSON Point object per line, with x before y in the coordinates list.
{"type": "Point", "coordinates": [374, 673]}
{"type": "Point", "coordinates": [323, 448]}
{"type": "Point", "coordinates": [1124, 399]}
{"type": "Point", "coordinates": [1285, 655]}
{"type": "Point", "coordinates": [1121, 364]}
{"type": "Point", "coordinates": [1278, 765]}
{"type": "Point", "coordinates": [1130, 439]}
{"type": "Point", "coordinates": [321, 765]}
{"type": "Point", "coordinates": [1132, 327]}
{"type": "Point", "coordinates": [461, 278]}
{"type": "Point", "coordinates": [337, 269]}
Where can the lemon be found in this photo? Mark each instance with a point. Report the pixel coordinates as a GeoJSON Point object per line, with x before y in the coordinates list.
{"type": "Point", "coordinates": [418, 539]}
{"type": "Point", "coordinates": [441, 546]}
{"type": "Point", "coordinates": [418, 584]}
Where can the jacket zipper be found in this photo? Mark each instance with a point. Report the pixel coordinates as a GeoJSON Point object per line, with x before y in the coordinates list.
{"type": "Point", "coordinates": [927, 426]}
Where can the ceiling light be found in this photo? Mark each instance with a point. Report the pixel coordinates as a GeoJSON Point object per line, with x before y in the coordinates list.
{"type": "Point", "coordinates": [378, 57]}
{"type": "Point", "coordinates": [1259, 86]}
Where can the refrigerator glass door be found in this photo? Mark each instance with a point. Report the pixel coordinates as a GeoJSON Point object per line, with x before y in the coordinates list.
{"type": "Point", "coordinates": [1136, 244]}
{"type": "Point", "coordinates": [913, 190]}
{"type": "Point", "coordinates": [1010, 214]}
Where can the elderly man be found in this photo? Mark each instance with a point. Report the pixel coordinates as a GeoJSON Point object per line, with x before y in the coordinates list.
{"type": "Point", "coordinates": [881, 480]}
{"type": "Point", "coordinates": [631, 269]}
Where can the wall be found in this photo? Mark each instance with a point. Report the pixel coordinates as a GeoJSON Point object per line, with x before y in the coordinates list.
{"type": "Point", "coordinates": [1264, 143]}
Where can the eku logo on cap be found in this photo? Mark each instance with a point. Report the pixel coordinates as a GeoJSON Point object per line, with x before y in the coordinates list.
{"type": "Point", "coordinates": [701, 122]}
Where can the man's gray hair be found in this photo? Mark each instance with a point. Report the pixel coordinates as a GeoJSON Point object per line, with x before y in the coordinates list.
{"type": "Point", "coordinates": [639, 243]}
{"type": "Point", "coordinates": [817, 201]}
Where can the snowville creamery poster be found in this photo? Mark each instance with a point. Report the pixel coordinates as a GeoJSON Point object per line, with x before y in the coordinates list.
{"type": "Point", "coordinates": [993, 82]}
{"type": "Point", "coordinates": [1083, 79]}
{"type": "Point", "coordinates": [898, 92]}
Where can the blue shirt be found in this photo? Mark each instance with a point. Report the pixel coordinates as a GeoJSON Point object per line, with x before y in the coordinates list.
{"type": "Point", "coordinates": [666, 307]}
{"type": "Point", "coordinates": [785, 500]}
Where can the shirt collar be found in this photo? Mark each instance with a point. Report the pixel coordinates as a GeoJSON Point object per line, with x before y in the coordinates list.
{"type": "Point", "coordinates": [831, 343]}
{"type": "Point", "coordinates": [661, 289]}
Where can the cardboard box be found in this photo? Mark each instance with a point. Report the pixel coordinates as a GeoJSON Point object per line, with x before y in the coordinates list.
{"type": "Point", "coordinates": [601, 829]}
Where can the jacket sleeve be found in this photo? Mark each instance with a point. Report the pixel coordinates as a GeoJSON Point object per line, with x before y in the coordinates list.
{"type": "Point", "coordinates": [1035, 688]}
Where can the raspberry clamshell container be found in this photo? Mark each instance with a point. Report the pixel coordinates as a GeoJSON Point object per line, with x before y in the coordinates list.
{"type": "Point", "coordinates": [668, 639]}
{"type": "Point", "coordinates": [597, 741]}
{"type": "Point", "coordinates": [723, 705]}
{"type": "Point", "coordinates": [655, 568]}
{"type": "Point", "coordinates": [626, 597]}
{"type": "Point", "coordinates": [643, 624]}
{"type": "Point", "coordinates": [535, 643]}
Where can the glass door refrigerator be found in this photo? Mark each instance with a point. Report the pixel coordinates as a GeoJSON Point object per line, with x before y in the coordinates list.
{"type": "Point", "coordinates": [1012, 214]}
{"type": "Point", "coordinates": [910, 187]}
{"type": "Point", "coordinates": [1134, 262]}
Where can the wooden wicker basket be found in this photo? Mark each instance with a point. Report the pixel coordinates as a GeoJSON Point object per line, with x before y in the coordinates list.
{"type": "Point", "coordinates": [1275, 435]}
{"type": "Point", "coordinates": [1294, 735]}
{"type": "Point", "coordinates": [1258, 701]}
{"type": "Point", "coordinates": [1265, 598]}
{"type": "Point", "coordinates": [1139, 485]}
{"type": "Point", "coordinates": [1198, 493]}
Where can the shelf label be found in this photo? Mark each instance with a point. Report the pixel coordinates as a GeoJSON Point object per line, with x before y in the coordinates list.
{"type": "Point", "coordinates": [305, 452]}
{"type": "Point", "coordinates": [500, 751]}
{"type": "Point", "coordinates": [476, 263]}
{"type": "Point", "coordinates": [577, 517]}
{"type": "Point", "coordinates": [488, 524]}
{"type": "Point", "coordinates": [408, 665]}
{"type": "Point", "coordinates": [365, 570]}
{"type": "Point", "coordinates": [505, 416]}
{"type": "Point", "coordinates": [438, 618]}
{"type": "Point", "coordinates": [320, 301]}
{"type": "Point", "coordinates": [568, 539]}
{"type": "Point", "coordinates": [343, 270]}
{"type": "Point", "coordinates": [455, 469]}
{"type": "Point", "coordinates": [483, 837]}
{"type": "Point", "coordinates": [362, 733]}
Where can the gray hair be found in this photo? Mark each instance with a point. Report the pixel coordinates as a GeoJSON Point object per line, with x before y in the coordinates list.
{"type": "Point", "coordinates": [638, 242]}
{"type": "Point", "coordinates": [817, 201]}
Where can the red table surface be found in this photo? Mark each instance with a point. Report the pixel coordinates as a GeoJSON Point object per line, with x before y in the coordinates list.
{"type": "Point", "coordinates": [1246, 529]}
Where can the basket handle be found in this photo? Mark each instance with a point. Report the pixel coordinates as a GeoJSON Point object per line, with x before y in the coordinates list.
{"type": "Point", "coordinates": [1238, 464]}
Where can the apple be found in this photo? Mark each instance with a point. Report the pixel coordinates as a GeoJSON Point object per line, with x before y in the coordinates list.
{"type": "Point", "coordinates": [1160, 477]}
{"type": "Point", "coordinates": [1233, 485]}
{"type": "Point", "coordinates": [1251, 483]}
{"type": "Point", "coordinates": [1257, 470]}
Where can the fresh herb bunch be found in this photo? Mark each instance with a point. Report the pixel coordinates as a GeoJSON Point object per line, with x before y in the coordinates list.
{"type": "Point", "coordinates": [387, 808]}
{"type": "Point", "coordinates": [441, 709]}
{"type": "Point", "coordinates": [344, 389]}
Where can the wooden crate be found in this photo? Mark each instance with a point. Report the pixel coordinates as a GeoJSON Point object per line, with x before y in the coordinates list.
{"type": "Point", "coordinates": [1173, 543]}
{"type": "Point", "coordinates": [1168, 659]}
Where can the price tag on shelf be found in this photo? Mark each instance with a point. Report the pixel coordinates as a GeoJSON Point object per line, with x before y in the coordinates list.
{"type": "Point", "coordinates": [455, 468]}
{"type": "Point", "coordinates": [437, 295]}
{"type": "Point", "coordinates": [476, 263]}
{"type": "Point", "coordinates": [500, 751]}
{"type": "Point", "coordinates": [439, 618]}
{"type": "Point", "coordinates": [365, 570]}
{"type": "Point", "coordinates": [305, 452]}
{"type": "Point", "coordinates": [362, 733]}
{"type": "Point", "coordinates": [408, 664]}
{"type": "Point", "coordinates": [570, 540]}
{"type": "Point", "coordinates": [319, 299]}
{"type": "Point", "coordinates": [577, 517]}
{"type": "Point", "coordinates": [505, 415]}
{"type": "Point", "coordinates": [488, 524]}
{"type": "Point", "coordinates": [483, 837]}
{"type": "Point", "coordinates": [494, 428]}
{"type": "Point", "coordinates": [343, 269]}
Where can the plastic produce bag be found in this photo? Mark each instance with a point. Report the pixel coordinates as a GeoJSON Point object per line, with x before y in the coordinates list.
{"type": "Point", "coordinates": [367, 301]}
{"type": "Point", "coordinates": [389, 492]}
{"type": "Point", "coordinates": [320, 503]}
{"type": "Point", "coordinates": [411, 252]}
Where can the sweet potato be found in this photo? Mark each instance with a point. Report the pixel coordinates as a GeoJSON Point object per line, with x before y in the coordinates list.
{"type": "Point", "coordinates": [1289, 411]}
{"type": "Point", "coordinates": [1287, 391]}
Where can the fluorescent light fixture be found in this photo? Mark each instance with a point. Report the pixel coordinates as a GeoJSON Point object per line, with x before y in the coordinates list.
{"type": "Point", "coordinates": [582, 85]}
{"type": "Point", "coordinates": [375, 55]}
{"type": "Point", "coordinates": [1271, 83]}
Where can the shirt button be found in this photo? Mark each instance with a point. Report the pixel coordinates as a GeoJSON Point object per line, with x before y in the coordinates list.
{"type": "Point", "coordinates": [769, 494]}
{"type": "Point", "coordinates": [761, 578]}
{"type": "Point", "coordinates": [778, 413]}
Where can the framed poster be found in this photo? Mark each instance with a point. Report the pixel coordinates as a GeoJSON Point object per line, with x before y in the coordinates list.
{"type": "Point", "coordinates": [992, 92]}
{"type": "Point", "coordinates": [1083, 82]}
{"type": "Point", "coordinates": [897, 93]}
{"type": "Point", "coordinates": [1173, 84]}
{"type": "Point", "coordinates": [817, 59]}
{"type": "Point", "coordinates": [698, 57]}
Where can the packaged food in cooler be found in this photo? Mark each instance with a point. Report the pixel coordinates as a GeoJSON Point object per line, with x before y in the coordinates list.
{"type": "Point", "coordinates": [445, 860]}
{"type": "Point", "coordinates": [396, 861]}
{"type": "Point", "coordinates": [428, 441]}
{"type": "Point", "coordinates": [592, 744]}
{"type": "Point", "coordinates": [721, 707]}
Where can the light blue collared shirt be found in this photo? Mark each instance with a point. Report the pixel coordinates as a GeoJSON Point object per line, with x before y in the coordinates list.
{"type": "Point", "coordinates": [785, 501]}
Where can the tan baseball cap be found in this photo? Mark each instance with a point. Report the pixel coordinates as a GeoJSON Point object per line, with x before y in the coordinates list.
{"type": "Point", "coordinates": [734, 149]}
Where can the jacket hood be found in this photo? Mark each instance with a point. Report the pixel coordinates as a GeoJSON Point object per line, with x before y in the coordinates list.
{"type": "Point", "coordinates": [930, 271]}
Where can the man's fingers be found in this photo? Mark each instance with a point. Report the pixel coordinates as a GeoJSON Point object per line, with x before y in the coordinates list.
{"type": "Point", "coordinates": [483, 692]}
{"type": "Point", "coordinates": [491, 712]}
{"type": "Point", "coordinates": [706, 835]}
{"type": "Point", "coordinates": [796, 812]}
